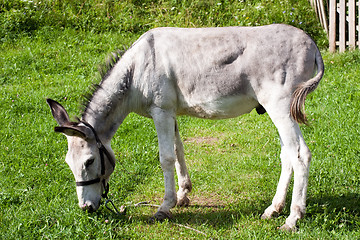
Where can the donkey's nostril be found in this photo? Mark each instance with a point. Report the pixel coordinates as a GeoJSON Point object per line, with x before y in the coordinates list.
{"type": "Point", "coordinates": [88, 207]}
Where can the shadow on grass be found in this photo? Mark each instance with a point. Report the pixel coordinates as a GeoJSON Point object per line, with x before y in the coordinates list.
{"type": "Point", "coordinates": [327, 212]}
{"type": "Point", "coordinates": [335, 211]}
{"type": "Point", "coordinates": [218, 216]}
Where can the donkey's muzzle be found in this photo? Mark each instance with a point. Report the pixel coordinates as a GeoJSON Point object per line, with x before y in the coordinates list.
{"type": "Point", "coordinates": [89, 207]}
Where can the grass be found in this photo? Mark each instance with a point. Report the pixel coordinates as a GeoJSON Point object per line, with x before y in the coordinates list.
{"type": "Point", "coordinates": [234, 164]}
{"type": "Point", "coordinates": [135, 17]}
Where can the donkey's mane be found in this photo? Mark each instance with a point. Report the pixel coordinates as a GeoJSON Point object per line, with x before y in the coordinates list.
{"type": "Point", "coordinates": [112, 59]}
{"type": "Point", "coordinates": [104, 71]}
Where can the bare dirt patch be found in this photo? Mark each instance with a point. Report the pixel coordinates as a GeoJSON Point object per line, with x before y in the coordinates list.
{"type": "Point", "coordinates": [201, 140]}
{"type": "Point", "coordinates": [208, 200]}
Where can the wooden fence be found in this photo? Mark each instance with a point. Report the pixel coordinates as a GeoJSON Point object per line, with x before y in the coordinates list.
{"type": "Point", "coordinates": [344, 24]}
{"type": "Point", "coordinates": [319, 7]}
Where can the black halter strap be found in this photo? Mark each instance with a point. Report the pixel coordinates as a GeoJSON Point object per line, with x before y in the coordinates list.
{"type": "Point", "coordinates": [85, 183]}
{"type": "Point", "coordinates": [102, 151]}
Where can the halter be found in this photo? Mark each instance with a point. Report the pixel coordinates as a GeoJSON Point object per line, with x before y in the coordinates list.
{"type": "Point", "coordinates": [102, 150]}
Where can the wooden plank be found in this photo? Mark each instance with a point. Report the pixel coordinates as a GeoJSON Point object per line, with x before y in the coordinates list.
{"type": "Point", "coordinates": [317, 9]}
{"type": "Point", "coordinates": [323, 15]}
{"type": "Point", "coordinates": [352, 37]}
{"type": "Point", "coordinates": [312, 3]}
{"type": "Point", "coordinates": [332, 27]}
{"type": "Point", "coordinates": [342, 25]}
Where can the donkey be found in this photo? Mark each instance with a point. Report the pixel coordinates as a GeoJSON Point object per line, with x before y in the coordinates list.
{"type": "Point", "coordinates": [211, 73]}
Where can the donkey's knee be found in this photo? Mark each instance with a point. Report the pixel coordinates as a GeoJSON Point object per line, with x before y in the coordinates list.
{"type": "Point", "coordinates": [305, 154]}
{"type": "Point", "coordinates": [167, 162]}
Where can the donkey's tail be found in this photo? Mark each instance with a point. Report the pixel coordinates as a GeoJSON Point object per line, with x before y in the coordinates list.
{"type": "Point", "coordinates": [299, 95]}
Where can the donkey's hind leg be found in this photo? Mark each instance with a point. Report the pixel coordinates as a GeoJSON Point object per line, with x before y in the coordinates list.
{"type": "Point", "coordinates": [184, 182]}
{"type": "Point", "coordinates": [295, 156]}
{"type": "Point", "coordinates": [278, 202]}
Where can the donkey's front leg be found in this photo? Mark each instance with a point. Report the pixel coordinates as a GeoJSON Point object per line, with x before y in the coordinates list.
{"type": "Point", "coordinates": [165, 128]}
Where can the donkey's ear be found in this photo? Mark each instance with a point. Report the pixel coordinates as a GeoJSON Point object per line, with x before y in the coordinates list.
{"type": "Point", "coordinates": [75, 131]}
{"type": "Point", "coordinates": [59, 113]}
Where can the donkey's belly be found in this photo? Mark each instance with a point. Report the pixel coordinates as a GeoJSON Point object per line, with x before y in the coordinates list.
{"type": "Point", "coordinates": [226, 107]}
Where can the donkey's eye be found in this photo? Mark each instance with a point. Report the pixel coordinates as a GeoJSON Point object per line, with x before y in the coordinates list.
{"type": "Point", "coordinates": [89, 162]}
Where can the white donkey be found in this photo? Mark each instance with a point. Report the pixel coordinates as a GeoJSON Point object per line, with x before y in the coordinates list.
{"type": "Point", "coordinates": [212, 73]}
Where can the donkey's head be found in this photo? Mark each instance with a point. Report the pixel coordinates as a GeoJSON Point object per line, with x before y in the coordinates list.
{"type": "Point", "coordinates": [86, 158]}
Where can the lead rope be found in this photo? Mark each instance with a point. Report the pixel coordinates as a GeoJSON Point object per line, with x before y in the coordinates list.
{"type": "Point", "coordinates": [123, 208]}
{"type": "Point", "coordinates": [116, 211]}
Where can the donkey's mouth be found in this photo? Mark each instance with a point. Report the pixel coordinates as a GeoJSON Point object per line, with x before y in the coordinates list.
{"type": "Point", "coordinates": [89, 206]}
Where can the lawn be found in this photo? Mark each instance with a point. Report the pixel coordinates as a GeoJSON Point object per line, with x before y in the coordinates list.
{"type": "Point", "coordinates": [234, 164]}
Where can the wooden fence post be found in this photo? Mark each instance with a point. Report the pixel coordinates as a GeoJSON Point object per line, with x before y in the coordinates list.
{"type": "Point", "coordinates": [352, 36]}
{"type": "Point", "coordinates": [332, 26]}
{"type": "Point", "coordinates": [342, 22]}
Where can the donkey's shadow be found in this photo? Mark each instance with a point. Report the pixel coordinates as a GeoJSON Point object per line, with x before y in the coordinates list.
{"type": "Point", "coordinates": [336, 209]}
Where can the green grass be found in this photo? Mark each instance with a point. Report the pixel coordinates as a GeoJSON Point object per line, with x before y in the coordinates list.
{"type": "Point", "coordinates": [234, 164]}
{"type": "Point", "coordinates": [135, 17]}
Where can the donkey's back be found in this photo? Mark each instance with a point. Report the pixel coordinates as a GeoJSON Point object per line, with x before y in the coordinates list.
{"type": "Point", "coordinates": [225, 72]}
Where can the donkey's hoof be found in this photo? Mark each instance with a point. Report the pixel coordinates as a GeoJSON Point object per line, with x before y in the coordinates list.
{"type": "Point", "coordinates": [269, 216]}
{"type": "Point", "coordinates": [160, 216]}
{"type": "Point", "coordinates": [183, 202]}
{"type": "Point", "coordinates": [287, 228]}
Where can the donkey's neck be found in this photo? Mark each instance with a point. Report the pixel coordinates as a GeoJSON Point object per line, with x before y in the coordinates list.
{"type": "Point", "coordinates": [109, 105]}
